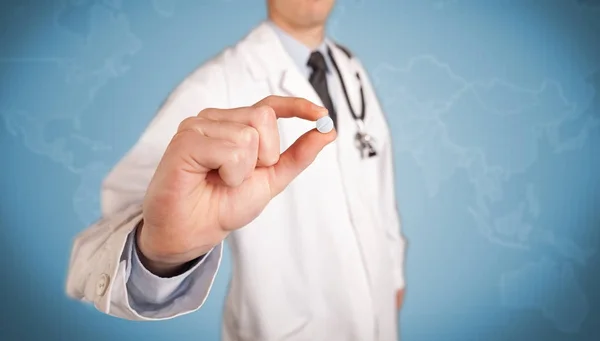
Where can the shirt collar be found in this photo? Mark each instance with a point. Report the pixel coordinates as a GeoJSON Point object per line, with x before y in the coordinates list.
{"type": "Point", "coordinates": [297, 50]}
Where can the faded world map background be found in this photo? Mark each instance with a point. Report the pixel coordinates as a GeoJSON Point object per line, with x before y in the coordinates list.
{"type": "Point", "coordinates": [495, 112]}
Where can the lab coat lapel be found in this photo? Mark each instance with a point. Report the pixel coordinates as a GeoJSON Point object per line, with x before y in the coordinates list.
{"type": "Point", "coordinates": [272, 63]}
{"type": "Point", "coordinates": [293, 84]}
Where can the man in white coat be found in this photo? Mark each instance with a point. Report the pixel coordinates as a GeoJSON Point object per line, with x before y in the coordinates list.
{"type": "Point", "coordinates": [233, 154]}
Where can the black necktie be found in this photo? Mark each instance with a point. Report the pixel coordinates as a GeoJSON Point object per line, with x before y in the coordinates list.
{"type": "Point", "coordinates": [318, 79]}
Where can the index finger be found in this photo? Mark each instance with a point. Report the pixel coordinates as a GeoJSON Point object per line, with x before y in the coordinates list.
{"type": "Point", "coordinates": [286, 107]}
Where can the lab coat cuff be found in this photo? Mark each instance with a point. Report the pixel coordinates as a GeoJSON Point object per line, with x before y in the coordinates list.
{"type": "Point", "coordinates": [157, 297]}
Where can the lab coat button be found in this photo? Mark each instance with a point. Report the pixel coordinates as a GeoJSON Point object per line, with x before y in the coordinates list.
{"type": "Point", "coordinates": [102, 284]}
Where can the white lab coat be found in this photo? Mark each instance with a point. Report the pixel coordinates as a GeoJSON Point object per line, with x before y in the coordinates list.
{"type": "Point", "coordinates": [324, 259]}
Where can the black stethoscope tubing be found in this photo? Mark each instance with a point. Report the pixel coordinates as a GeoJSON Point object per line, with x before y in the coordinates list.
{"type": "Point", "coordinates": [362, 95]}
{"type": "Point", "coordinates": [363, 139]}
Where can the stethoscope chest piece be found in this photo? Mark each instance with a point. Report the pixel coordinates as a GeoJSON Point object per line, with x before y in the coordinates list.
{"type": "Point", "coordinates": [364, 142]}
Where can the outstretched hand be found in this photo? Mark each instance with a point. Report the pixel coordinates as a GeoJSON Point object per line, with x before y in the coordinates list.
{"type": "Point", "coordinates": [218, 173]}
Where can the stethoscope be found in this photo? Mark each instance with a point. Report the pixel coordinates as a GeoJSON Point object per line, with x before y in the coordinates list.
{"type": "Point", "coordinates": [362, 140]}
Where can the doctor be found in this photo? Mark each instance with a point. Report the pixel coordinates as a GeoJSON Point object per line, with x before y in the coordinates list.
{"type": "Point", "coordinates": [310, 217]}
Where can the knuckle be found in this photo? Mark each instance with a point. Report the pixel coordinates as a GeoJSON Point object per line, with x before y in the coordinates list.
{"type": "Point", "coordinates": [206, 112]}
{"type": "Point", "coordinates": [248, 136]}
{"type": "Point", "coordinates": [297, 101]}
{"type": "Point", "coordinates": [269, 99]}
{"type": "Point", "coordinates": [265, 115]}
{"type": "Point", "coordinates": [236, 157]}
{"type": "Point", "coordinates": [187, 123]}
{"type": "Point", "coordinates": [306, 105]}
{"type": "Point", "coordinates": [178, 141]}
{"type": "Point", "coordinates": [302, 104]}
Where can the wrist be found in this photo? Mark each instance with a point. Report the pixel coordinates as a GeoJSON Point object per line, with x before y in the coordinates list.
{"type": "Point", "coordinates": [157, 265]}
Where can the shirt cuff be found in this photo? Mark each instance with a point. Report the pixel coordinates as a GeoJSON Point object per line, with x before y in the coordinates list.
{"type": "Point", "coordinates": [148, 291]}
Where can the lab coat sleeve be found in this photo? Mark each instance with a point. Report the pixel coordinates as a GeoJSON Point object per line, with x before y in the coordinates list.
{"type": "Point", "coordinates": [150, 295]}
{"type": "Point", "coordinates": [100, 264]}
{"type": "Point", "coordinates": [387, 190]}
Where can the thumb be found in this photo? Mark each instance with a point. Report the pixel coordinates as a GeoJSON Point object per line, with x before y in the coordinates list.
{"type": "Point", "coordinates": [297, 157]}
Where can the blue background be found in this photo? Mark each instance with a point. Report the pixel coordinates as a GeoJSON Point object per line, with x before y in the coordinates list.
{"type": "Point", "coordinates": [495, 113]}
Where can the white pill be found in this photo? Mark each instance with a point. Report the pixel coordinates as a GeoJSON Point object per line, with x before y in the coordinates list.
{"type": "Point", "coordinates": [324, 124]}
